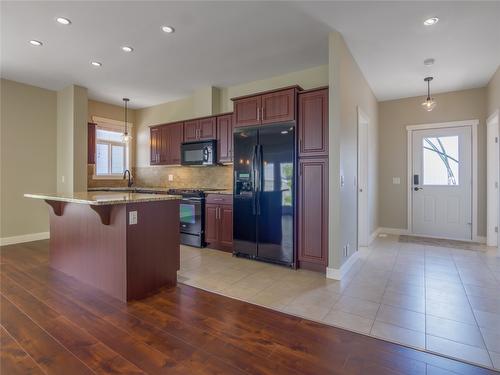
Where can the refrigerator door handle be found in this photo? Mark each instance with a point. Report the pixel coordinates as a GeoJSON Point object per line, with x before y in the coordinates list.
{"type": "Point", "coordinates": [259, 184]}
{"type": "Point", "coordinates": [254, 171]}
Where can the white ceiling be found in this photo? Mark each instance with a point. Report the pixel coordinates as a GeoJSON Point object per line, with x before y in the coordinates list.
{"type": "Point", "coordinates": [227, 43]}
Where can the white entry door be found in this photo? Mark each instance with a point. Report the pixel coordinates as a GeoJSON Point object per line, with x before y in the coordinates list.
{"type": "Point", "coordinates": [442, 183]}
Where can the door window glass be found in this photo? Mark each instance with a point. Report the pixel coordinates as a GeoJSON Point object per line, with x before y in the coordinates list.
{"type": "Point", "coordinates": [440, 160]}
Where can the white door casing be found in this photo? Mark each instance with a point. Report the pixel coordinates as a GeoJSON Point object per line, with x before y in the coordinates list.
{"type": "Point", "coordinates": [363, 211]}
{"type": "Point", "coordinates": [492, 180]}
{"type": "Point", "coordinates": [442, 183]}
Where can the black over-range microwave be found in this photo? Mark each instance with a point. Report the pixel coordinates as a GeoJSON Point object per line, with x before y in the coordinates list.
{"type": "Point", "coordinates": [199, 153]}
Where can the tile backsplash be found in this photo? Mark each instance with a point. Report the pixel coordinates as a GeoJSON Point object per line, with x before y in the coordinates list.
{"type": "Point", "coordinates": [216, 177]}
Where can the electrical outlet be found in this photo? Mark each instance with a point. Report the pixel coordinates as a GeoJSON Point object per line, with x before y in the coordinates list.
{"type": "Point", "coordinates": [62, 179]}
{"type": "Point", "coordinates": [170, 177]}
{"type": "Point", "coordinates": [132, 217]}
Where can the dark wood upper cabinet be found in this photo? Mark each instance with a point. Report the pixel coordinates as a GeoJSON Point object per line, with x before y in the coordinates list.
{"type": "Point", "coordinates": [155, 145]}
{"type": "Point", "coordinates": [200, 129]}
{"type": "Point", "coordinates": [313, 123]}
{"type": "Point", "coordinates": [191, 131]}
{"type": "Point", "coordinates": [174, 135]}
{"type": "Point", "coordinates": [266, 107]}
{"type": "Point", "coordinates": [207, 128]}
{"type": "Point", "coordinates": [313, 214]}
{"type": "Point", "coordinates": [278, 106]}
{"type": "Point", "coordinates": [165, 146]}
{"type": "Point", "coordinates": [91, 140]}
{"type": "Point", "coordinates": [225, 138]}
{"type": "Point", "coordinates": [247, 111]}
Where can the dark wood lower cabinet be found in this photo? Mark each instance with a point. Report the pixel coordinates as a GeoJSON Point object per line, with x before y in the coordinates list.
{"type": "Point", "coordinates": [219, 222]}
{"type": "Point", "coordinates": [313, 214]}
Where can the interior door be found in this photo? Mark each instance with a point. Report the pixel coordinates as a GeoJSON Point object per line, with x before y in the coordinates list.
{"type": "Point", "coordinates": [442, 183]}
{"type": "Point", "coordinates": [275, 198]}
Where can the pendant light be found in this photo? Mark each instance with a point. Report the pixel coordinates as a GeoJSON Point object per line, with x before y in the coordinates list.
{"type": "Point", "coordinates": [126, 137]}
{"type": "Point", "coordinates": [429, 104]}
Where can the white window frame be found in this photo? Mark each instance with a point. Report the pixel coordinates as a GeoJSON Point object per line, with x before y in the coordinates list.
{"type": "Point", "coordinates": [112, 125]}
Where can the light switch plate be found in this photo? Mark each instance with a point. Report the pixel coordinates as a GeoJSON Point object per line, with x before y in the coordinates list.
{"type": "Point", "coordinates": [341, 180]}
{"type": "Point", "coordinates": [170, 177]}
{"type": "Point", "coordinates": [396, 180]}
{"type": "Point", "coordinates": [132, 217]}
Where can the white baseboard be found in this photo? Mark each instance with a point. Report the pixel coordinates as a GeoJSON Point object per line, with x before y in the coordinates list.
{"type": "Point", "coordinates": [395, 231]}
{"type": "Point", "coordinates": [481, 239]}
{"type": "Point", "coordinates": [374, 235]}
{"type": "Point", "coordinates": [339, 273]}
{"type": "Point", "coordinates": [24, 238]}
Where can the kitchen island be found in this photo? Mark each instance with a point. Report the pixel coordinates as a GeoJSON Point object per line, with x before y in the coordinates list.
{"type": "Point", "coordinates": [125, 244]}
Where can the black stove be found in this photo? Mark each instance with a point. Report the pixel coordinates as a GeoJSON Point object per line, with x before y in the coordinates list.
{"type": "Point", "coordinates": [192, 216]}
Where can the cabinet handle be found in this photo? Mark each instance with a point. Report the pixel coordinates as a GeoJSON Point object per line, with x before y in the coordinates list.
{"type": "Point", "coordinates": [262, 113]}
{"type": "Point", "coordinates": [258, 113]}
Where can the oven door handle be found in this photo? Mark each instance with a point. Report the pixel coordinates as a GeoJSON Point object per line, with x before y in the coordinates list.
{"type": "Point", "coordinates": [192, 199]}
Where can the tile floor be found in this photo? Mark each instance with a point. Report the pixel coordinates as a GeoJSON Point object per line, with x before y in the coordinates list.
{"type": "Point", "coordinates": [439, 299]}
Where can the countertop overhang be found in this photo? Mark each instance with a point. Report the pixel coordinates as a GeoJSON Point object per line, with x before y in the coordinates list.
{"type": "Point", "coordinates": [156, 190]}
{"type": "Point", "coordinates": [102, 198]}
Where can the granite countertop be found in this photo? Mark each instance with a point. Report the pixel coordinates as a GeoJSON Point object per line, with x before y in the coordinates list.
{"type": "Point", "coordinates": [98, 198]}
{"type": "Point", "coordinates": [142, 189]}
{"type": "Point", "coordinates": [227, 191]}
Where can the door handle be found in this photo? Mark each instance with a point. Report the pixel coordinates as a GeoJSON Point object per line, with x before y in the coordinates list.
{"type": "Point", "coordinates": [416, 188]}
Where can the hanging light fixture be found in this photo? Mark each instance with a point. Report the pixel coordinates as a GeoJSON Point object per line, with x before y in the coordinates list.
{"type": "Point", "coordinates": [429, 104]}
{"type": "Point", "coordinates": [126, 137]}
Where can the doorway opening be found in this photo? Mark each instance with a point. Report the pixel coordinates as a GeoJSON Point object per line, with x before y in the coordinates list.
{"type": "Point", "coordinates": [442, 180]}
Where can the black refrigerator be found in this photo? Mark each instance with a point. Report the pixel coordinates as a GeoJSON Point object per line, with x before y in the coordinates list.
{"type": "Point", "coordinates": [264, 193]}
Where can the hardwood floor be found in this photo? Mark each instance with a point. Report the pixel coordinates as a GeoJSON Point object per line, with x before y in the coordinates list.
{"type": "Point", "coordinates": [53, 324]}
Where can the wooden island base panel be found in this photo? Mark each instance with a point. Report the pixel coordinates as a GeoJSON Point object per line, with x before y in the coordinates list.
{"type": "Point", "coordinates": [52, 323]}
{"type": "Point", "coordinates": [101, 244]}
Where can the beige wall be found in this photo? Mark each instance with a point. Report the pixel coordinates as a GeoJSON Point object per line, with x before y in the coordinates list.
{"type": "Point", "coordinates": [28, 156]}
{"type": "Point", "coordinates": [159, 114]}
{"type": "Point", "coordinates": [206, 100]}
{"type": "Point", "coordinates": [307, 79]}
{"type": "Point", "coordinates": [493, 93]}
{"type": "Point", "coordinates": [72, 112]}
{"type": "Point", "coordinates": [394, 116]}
{"type": "Point", "coordinates": [348, 91]}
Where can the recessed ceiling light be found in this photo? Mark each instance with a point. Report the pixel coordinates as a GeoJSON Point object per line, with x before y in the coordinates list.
{"type": "Point", "coordinates": [36, 43]}
{"type": "Point", "coordinates": [168, 29]}
{"type": "Point", "coordinates": [429, 62]}
{"type": "Point", "coordinates": [431, 21]}
{"type": "Point", "coordinates": [127, 49]}
{"type": "Point", "coordinates": [63, 21]}
{"type": "Point", "coordinates": [95, 63]}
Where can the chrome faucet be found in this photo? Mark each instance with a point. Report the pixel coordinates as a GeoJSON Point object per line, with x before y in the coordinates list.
{"type": "Point", "coordinates": [130, 180]}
